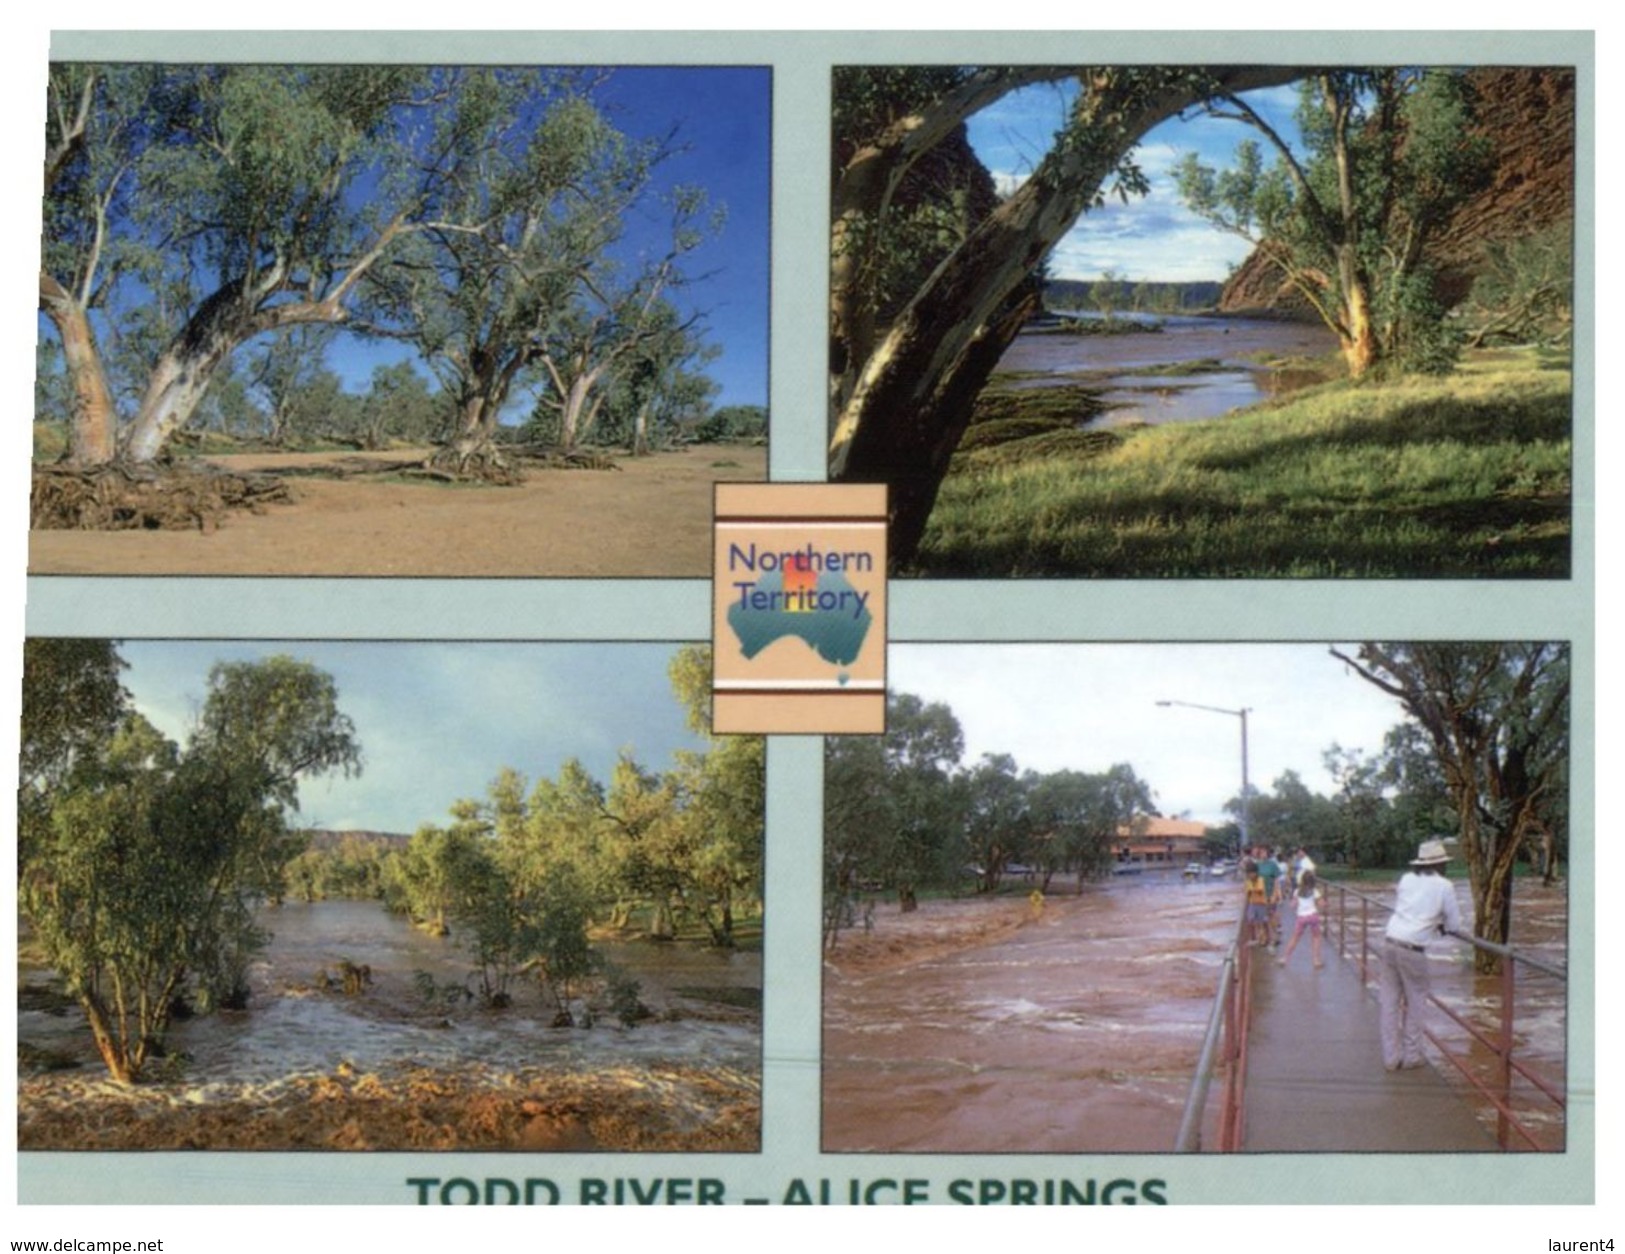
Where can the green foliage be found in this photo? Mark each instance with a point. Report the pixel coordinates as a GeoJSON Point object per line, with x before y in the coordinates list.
{"type": "Point", "coordinates": [625, 996]}
{"type": "Point", "coordinates": [72, 702]}
{"type": "Point", "coordinates": [1077, 816]}
{"type": "Point", "coordinates": [1387, 155]}
{"type": "Point", "coordinates": [732, 424]}
{"type": "Point", "coordinates": [192, 209]}
{"type": "Point", "coordinates": [890, 807]}
{"type": "Point", "coordinates": [998, 820]}
{"type": "Point", "coordinates": [282, 716]}
{"type": "Point", "coordinates": [1465, 477]}
{"type": "Point", "coordinates": [560, 934]}
{"type": "Point", "coordinates": [1496, 719]}
{"type": "Point", "coordinates": [496, 919]}
{"type": "Point", "coordinates": [936, 203]}
{"type": "Point", "coordinates": [1288, 816]}
{"type": "Point", "coordinates": [519, 876]}
{"type": "Point", "coordinates": [1420, 338]}
{"type": "Point", "coordinates": [1524, 293]}
{"type": "Point", "coordinates": [429, 872]}
{"type": "Point", "coordinates": [355, 868]}
{"type": "Point", "coordinates": [144, 865]}
{"type": "Point", "coordinates": [902, 815]}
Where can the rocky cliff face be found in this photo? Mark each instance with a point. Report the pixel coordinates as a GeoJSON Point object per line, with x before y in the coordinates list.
{"type": "Point", "coordinates": [1529, 115]}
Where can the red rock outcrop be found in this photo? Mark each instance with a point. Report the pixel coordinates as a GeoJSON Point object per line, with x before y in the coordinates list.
{"type": "Point", "coordinates": [1529, 115]}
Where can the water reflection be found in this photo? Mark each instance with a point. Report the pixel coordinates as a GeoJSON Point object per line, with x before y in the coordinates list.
{"type": "Point", "coordinates": [1052, 359]}
{"type": "Point", "coordinates": [295, 1026]}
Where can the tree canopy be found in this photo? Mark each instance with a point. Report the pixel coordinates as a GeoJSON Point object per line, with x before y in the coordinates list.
{"type": "Point", "coordinates": [1386, 156]}
{"type": "Point", "coordinates": [519, 875]}
{"type": "Point", "coordinates": [903, 813]}
{"type": "Point", "coordinates": [1496, 718]}
{"type": "Point", "coordinates": [924, 304]}
{"type": "Point", "coordinates": [145, 863]}
{"type": "Point", "coordinates": [477, 214]}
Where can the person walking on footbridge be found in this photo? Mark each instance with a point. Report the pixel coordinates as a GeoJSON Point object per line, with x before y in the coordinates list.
{"type": "Point", "coordinates": [1308, 900]}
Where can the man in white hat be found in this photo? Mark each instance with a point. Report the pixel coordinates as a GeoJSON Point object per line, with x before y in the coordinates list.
{"type": "Point", "coordinates": [1424, 907]}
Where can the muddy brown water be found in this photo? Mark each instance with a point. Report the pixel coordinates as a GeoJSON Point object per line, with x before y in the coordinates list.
{"type": "Point", "coordinates": [974, 1027]}
{"type": "Point", "coordinates": [704, 1001]}
{"type": "Point", "coordinates": [1053, 359]}
{"type": "Point", "coordinates": [1076, 1030]}
{"type": "Point", "coordinates": [1540, 1005]}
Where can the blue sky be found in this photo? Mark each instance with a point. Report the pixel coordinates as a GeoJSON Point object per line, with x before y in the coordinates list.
{"type": "Point", "coordinates": [1088, 706]}
{"type": "Point", "coordinates": [437, 721]}
{"type": "Point", "coordinates": [723, 123]}
{"type": "Point", "coordinates": [1153, 237]}
{"type": "Point", "coordinates": [720, 120]}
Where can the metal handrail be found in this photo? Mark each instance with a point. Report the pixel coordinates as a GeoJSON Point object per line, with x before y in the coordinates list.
{"type": "Point", "coordinates": [1227, 1022]}
{"type": "Point", "coordinates": [1506, 1121]}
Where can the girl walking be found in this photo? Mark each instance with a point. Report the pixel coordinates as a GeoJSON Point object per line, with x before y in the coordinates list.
{"type": "Point", "coordinates": [1309, 899]}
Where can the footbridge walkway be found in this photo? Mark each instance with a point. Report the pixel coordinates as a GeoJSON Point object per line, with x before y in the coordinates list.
{"type": "Point", "coordinates": [1293, 1062]}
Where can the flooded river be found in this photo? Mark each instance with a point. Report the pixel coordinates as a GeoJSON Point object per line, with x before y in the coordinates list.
{"type": "Point", "coordinates": [1052, 359]}
{"type": "Point", "coordinates": [975, 1026]}
{"type": "Point", "coordinates": [1077, 1030]}
{"type": "Point", "coordinates": [301, 1039]}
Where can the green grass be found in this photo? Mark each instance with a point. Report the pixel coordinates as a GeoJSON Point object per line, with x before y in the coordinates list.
{"type": "Point", "coordinates": [1463, 476]}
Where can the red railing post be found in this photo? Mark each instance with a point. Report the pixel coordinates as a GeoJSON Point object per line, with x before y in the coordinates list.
{"type": "Point", "coordinates": [1364, 939]}
{"type": "Point", "coordinates": [1342, 921]}
{"type": "Point", "coordinates": [1505, 1051]}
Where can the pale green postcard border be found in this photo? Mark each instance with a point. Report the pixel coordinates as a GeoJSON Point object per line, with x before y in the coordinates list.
{"type": "Point", "coordinates": [946, 611]}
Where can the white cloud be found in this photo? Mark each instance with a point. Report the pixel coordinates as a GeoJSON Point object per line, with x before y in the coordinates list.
{"type": "Point", "coordinates": [1087, 706]}
{"type": "Point", "coordinates": [436, 721]}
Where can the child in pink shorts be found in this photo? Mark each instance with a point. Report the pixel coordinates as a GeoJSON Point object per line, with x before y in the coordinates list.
{"type": "Point", "coordinates": [1309, 898]}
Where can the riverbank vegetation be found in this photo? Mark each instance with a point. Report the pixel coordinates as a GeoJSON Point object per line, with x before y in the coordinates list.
{"type": "Point", "coordinates": [1418, 476]}
{"type": "Point", "coordinates": [1480, 759]}
{"type": "Point", "coordinates": [150, 872]}
{"type": "Point", "coordinates": [904, 815]}
{"type": "Point", "coordinates": [218, 239]}
{"type": "Point", "coordinates": [141, 863]}
{"type": "Point", "coordinates": [1381, 208]}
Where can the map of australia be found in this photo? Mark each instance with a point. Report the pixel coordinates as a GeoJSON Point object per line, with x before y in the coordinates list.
{"type": "Point", "coordinates": [819, 607]}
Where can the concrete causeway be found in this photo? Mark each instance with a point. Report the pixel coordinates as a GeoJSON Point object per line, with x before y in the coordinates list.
{"type": "Point", "coordinates": [1315, 1079]}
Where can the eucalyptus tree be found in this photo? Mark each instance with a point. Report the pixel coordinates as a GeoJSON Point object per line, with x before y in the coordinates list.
{"type": "Point", "coordinates": [998, 824]}
{"type": "Point", "coordinates": [721, 795]}
{"type": "Point", "coordinates": [1496, 716]}
{"type": "Point", "coordinates": [914, 339]}
{"type": "Point", "coordinates": [399, 405]}
{"type": "Point", "coordinates": [145, 863]}
{"type": "Point", "coordinates": [1076, 816]}
{"type": "Point", "coordinates": [1387, 155]}
{"type": "Point", "coordinates": [539, 183]}
{"type": "Point", "coordinates": [890, 809]}
{"type": "Point", "coordinates": [662, 382]}
{"type": "Point", "coordinates": [622, 310]}
{"type": "Point", "coordinates": [253, 198]}
{"type": "Point", "coordinates": [99, 124]}
{"type": "Point", "coordinates": [289, 371]}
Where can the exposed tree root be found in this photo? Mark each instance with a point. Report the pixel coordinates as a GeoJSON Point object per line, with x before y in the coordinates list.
{"type": "Point", "coordinates": [552, 457]}
{"type": "Point", "coordinates": [172, 497]}
{"type": "Point", "coordinates": [471, 461]}
{"type": "Point", "coordinates": [505, 464]}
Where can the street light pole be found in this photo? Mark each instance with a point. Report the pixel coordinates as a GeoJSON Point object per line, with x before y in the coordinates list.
{"type": "Point", "coordinates": [1246, 789]}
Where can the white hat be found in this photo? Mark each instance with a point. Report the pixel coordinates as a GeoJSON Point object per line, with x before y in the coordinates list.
{"type": "Point", "coordinates": [1431, 853]}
